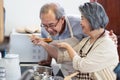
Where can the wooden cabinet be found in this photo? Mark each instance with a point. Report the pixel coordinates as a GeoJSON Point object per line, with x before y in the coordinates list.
{"type": "Point", "coordinates": [1, 21]}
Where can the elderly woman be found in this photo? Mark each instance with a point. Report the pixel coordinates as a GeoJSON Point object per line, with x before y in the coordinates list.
{"type": "Point", "coordinates": [95, 56]}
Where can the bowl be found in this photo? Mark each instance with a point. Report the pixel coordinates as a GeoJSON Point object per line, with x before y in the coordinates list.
{"type": "Point", "coordinates": [42, 69]}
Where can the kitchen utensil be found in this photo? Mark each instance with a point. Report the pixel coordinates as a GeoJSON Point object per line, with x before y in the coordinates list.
{"type": "Point", "coordinates": [70, 76]}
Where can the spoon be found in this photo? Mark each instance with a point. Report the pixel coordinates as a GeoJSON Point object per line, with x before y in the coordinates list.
{"type": "Point", "coordinates": [70, 76]}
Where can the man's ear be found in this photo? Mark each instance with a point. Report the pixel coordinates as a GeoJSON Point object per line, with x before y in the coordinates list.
{"type": "Point", "coordinates": [63, 18]}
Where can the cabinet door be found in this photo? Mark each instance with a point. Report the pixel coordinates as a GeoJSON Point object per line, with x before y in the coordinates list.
{"type": "Point", "coordinates": [1, 22]}
{"type": "Point", "coordinates": [112, 8]}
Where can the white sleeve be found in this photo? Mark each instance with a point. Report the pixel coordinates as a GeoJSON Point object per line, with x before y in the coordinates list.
{"type": "Point", "coordinates": [103, 55]}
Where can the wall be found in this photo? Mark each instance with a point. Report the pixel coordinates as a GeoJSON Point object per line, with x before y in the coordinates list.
{"type": "Point", "coordinates": [20, 13]}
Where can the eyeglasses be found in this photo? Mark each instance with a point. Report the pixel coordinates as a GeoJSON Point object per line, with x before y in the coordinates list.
{"type": "Point", "coordinates": [51, 25]}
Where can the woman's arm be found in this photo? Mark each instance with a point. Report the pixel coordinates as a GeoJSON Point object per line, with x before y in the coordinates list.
{"type": "Point", "coordinates": [70, 50]}
{"type": "Point", "coordinates": [103, 55]}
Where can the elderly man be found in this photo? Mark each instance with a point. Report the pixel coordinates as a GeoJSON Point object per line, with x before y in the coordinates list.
{"type": "Point", "coordinates": [61, 28]}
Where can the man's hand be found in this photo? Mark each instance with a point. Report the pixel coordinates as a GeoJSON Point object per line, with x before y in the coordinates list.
{"type": "Point", "coordinates": [38, 41]}
{"type": "Point", "coordinates": [113, 36]}
{"type": "Point", "coordinates": [46, 62]}
{"type": "Point", "coordinates": [34, 39]}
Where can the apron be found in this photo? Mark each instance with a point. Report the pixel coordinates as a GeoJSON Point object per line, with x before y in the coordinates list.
{"type": "Point", "coordinates": [66, 66]}
{"type": "Point", "coordinates": [103, 74]}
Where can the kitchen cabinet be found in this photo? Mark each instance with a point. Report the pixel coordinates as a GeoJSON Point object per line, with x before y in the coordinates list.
{"type": "Point", "coordinates": [1, 21]}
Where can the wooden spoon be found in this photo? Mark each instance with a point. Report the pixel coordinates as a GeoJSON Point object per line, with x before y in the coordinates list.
{"type": "Point", "coordinates": [43, 39]}
{"type": "Point", "coordinates": [70, 76]}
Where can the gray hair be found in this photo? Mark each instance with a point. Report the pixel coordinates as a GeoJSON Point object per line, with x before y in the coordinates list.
{"type": "Point", "coordinates": [55, 7]}
{"type": "Point", "coordinates": [95, 14]}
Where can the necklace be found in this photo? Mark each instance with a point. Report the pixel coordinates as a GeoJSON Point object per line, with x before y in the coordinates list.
{"type": "Point", "coordinates": [81, 52]}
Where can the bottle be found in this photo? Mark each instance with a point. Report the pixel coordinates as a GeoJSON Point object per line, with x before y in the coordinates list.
{"type": "Point", "coordinates": [2, 73]}
{"type": "Point", "coordinates": [0, 55]}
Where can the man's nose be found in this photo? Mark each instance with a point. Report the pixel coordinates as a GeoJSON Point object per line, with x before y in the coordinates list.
{"type": "Point", "coordinates": [49, 29]}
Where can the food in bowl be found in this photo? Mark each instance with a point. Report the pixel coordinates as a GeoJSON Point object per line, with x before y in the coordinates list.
{"type": "Point", "coordinates": [47, 40]}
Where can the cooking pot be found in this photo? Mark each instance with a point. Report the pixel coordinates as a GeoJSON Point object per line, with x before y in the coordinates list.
{"type": "Point", "coordinates": [42, 69]}
{"type": "Point", "coordinates": [39, 73]}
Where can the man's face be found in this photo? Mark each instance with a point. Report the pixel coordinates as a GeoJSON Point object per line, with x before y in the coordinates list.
{"type": "Point", "coordinates": [51, 24]}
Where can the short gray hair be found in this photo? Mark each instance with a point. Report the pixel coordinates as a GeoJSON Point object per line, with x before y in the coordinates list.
{"type": "Point", "coordinates": [55, 7]}
{"type": "Point", "coordinates": [95, 14]}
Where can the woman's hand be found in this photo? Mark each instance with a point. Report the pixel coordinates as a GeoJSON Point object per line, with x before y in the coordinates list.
{"type": "Point", "coordinates": [65, 45]}
{"type": "Point", "coordinates": [61, 45]}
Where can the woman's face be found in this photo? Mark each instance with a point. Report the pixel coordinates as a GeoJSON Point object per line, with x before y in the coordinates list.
{"type": "Point", "coordinates": [85, 25]}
